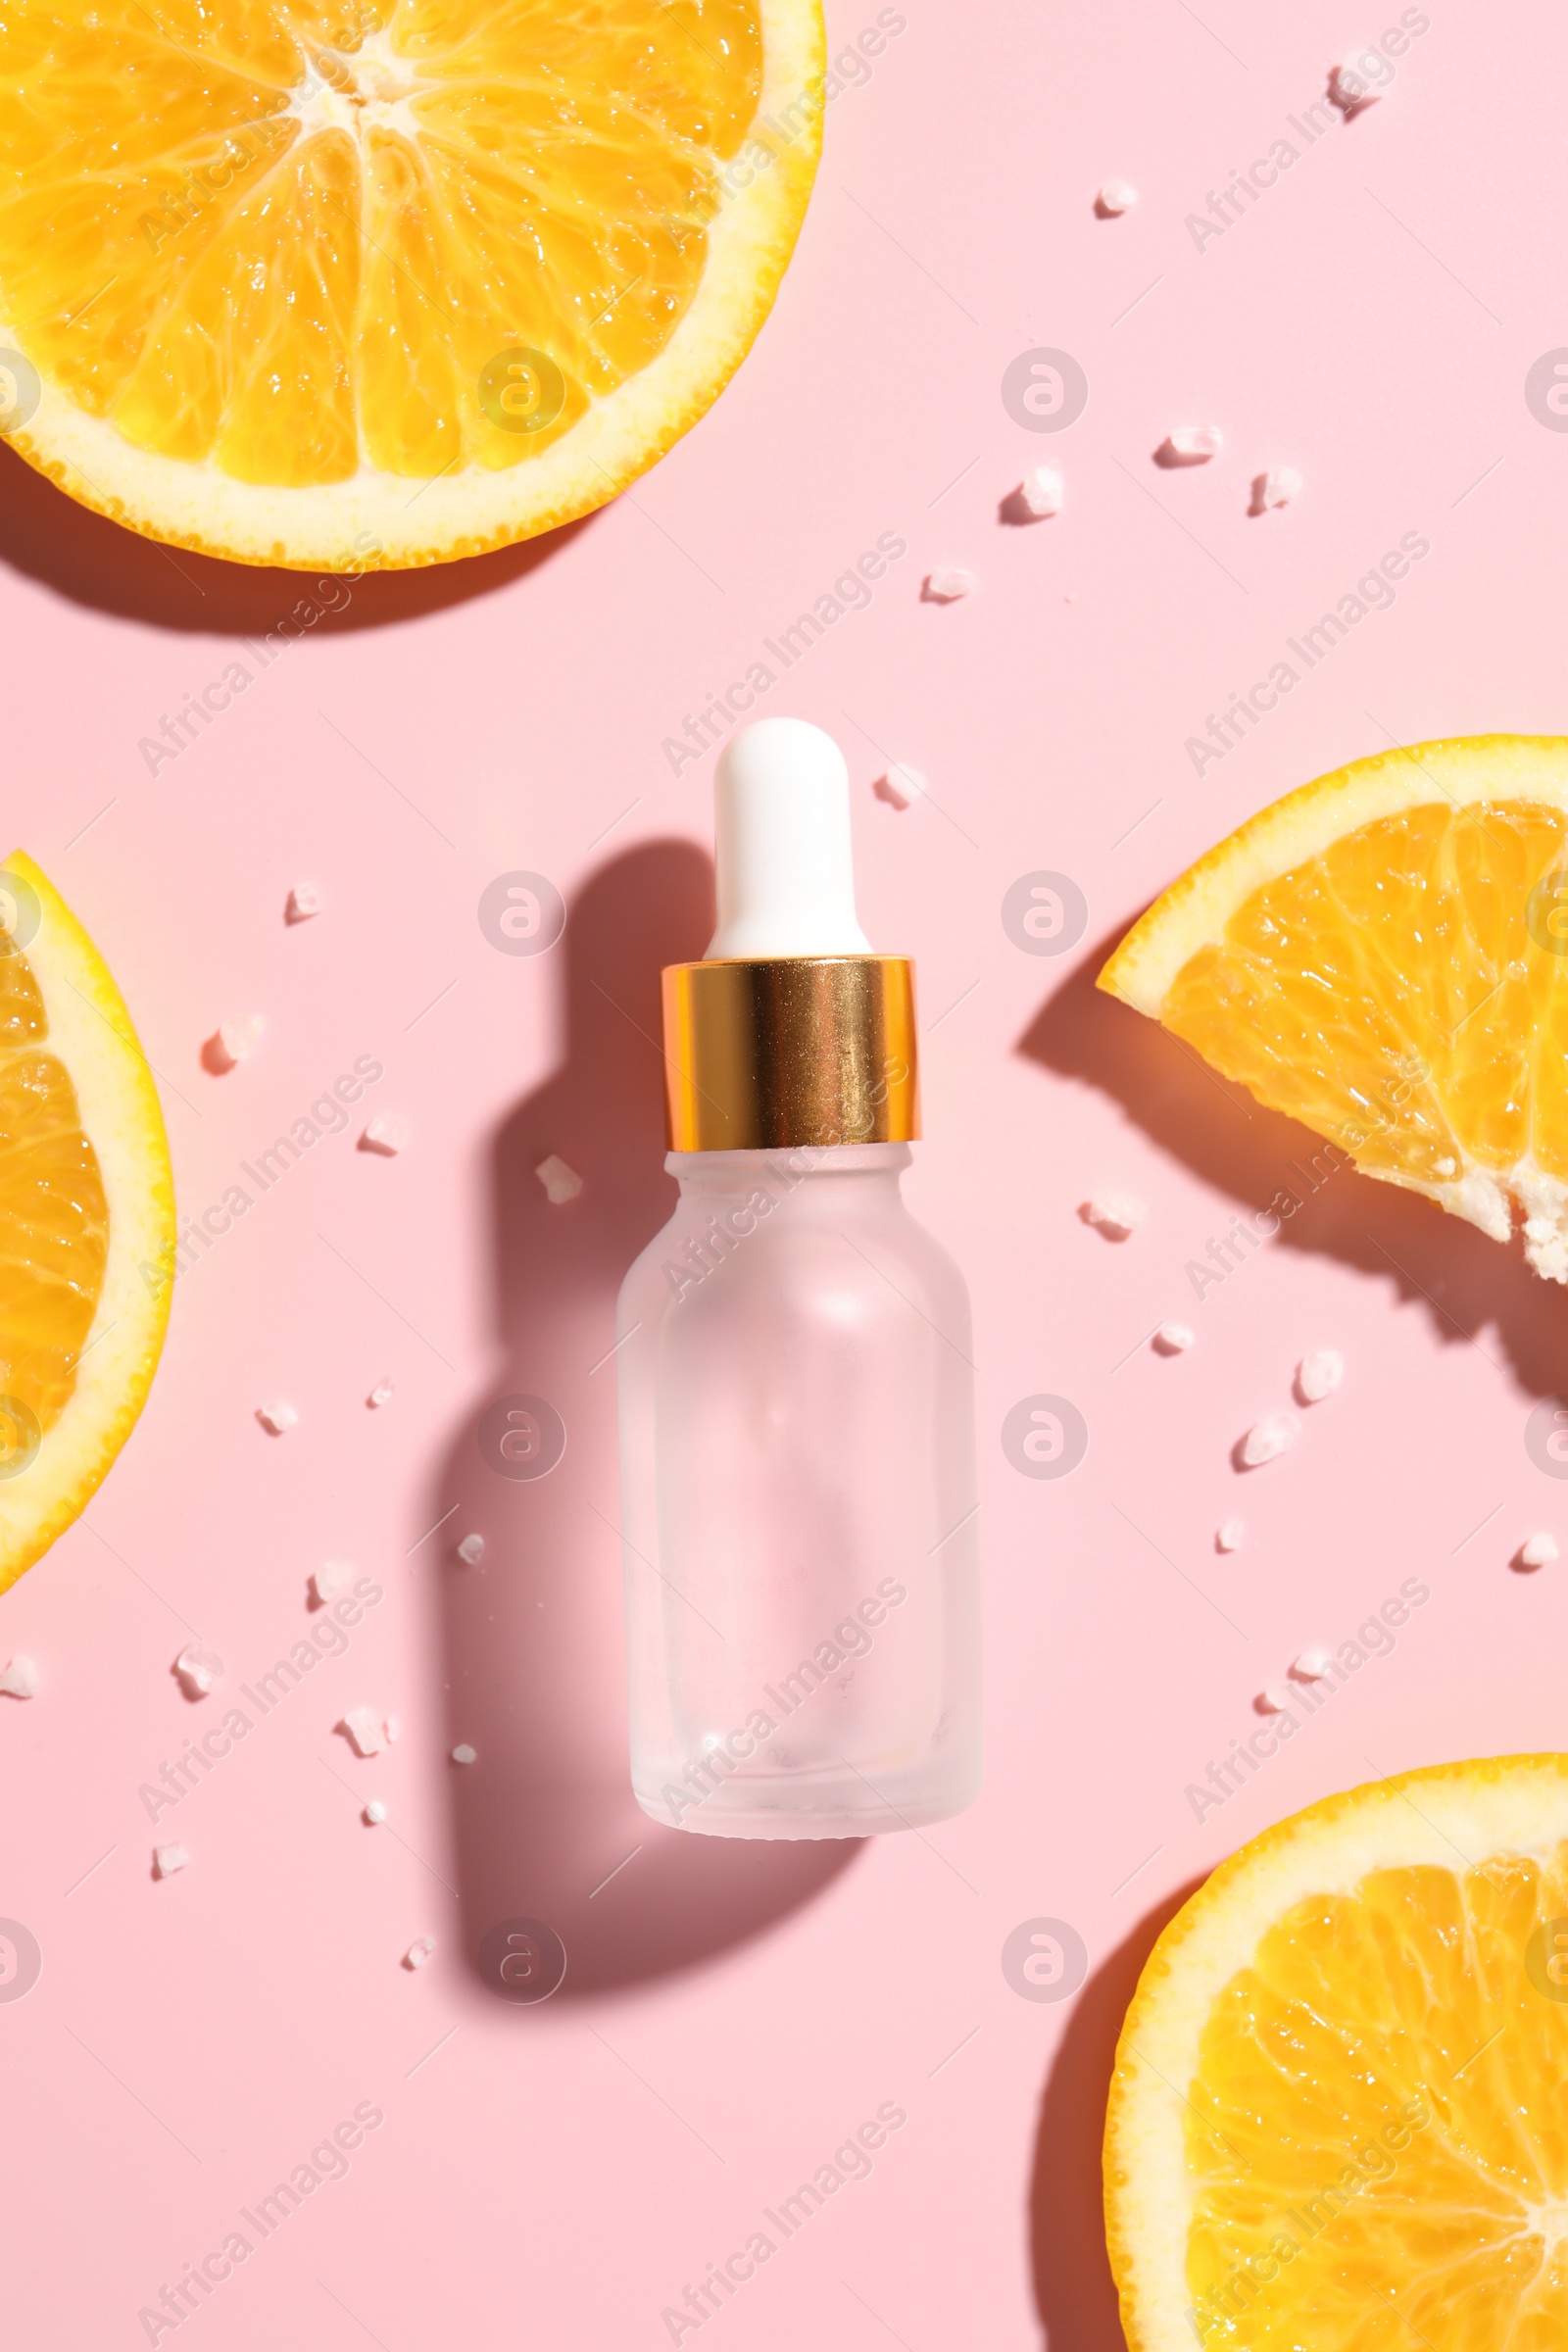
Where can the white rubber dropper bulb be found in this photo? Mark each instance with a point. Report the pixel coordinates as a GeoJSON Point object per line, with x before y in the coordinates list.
{"type": "Point", "coordinates": [781, 845]}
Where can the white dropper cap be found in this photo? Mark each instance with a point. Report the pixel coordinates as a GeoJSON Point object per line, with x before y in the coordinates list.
{"type": "Point", "coordinates": [781, 845]}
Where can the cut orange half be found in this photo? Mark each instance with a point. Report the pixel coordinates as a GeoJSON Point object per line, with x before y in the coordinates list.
{"type": "Point", "coordinates": [1335, 2121]}
{"type": "Point", "coordinates": [345, 285]}
{"type": "Point", "coordinates": [1384, 955]}
{"type": "Point", "coordinates": [86, 1219]}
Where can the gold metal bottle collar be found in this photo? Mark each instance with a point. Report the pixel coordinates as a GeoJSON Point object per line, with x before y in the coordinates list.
{"type": "Point", "coordinates": [765, 1052]}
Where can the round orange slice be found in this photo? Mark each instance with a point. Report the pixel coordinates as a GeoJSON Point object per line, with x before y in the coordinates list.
{"type": "Point", "coordinates": [86, 1219]}
{"type": "Point", "coordinates": [1336, 2123]}
{"type": "Point", "coordinates": [345, 285]}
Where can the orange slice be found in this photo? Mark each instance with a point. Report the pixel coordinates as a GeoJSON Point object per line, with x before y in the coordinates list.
{"type": "Point", "coordinates": [86, 1219]}
{"type": "Point", "coordinates": [1384, 955]}
{"type": "Point", "coordinates": [351, 283]}
{"type": "Point", "coordinates": [1336, 2123]}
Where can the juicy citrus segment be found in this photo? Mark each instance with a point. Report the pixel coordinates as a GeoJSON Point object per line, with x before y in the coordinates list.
{"type": "Point", "coordinates": [54, 1220]}
{"type": "Point", "coordinates": [1345, 2076]}
{"type": "Point", "coordinates": [380, 249]}
{"type": "Point", "coordinates": [1384, 956]}
{"type": "Point", "coordinates": [249, 361]}
{"type": "Point", "coordinates": [1390, 992]}
{"type": "Point", "coordinates": [1336, 2120]}
{"type": "Point", "coordinates": [86, 1219]}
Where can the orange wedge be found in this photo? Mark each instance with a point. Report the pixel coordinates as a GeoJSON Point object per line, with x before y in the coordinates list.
{"type": "Point", "coordinates": [345, 285]}
{"type": "Point", "coordinates": [1384, 955]}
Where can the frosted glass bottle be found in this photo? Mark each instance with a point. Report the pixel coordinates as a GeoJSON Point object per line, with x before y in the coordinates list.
{"type": "Point", "coordinates": [796, 1417]}
{"type": "Point", "coordinates": [798, 1484]}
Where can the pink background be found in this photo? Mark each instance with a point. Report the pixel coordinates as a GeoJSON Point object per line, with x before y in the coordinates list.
{"type": "Point", "coordinates": [559, 2175]}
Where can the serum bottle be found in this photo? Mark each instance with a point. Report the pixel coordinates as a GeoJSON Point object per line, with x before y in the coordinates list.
{"type": "Point", "coordinates": [797, 1412]}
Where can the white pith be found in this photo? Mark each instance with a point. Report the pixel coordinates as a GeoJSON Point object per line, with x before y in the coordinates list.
{"type": "Point", "coordinates": [365, 89]}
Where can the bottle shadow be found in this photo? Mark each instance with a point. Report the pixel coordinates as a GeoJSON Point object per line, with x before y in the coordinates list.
{"type": "Point", "coordinates": [1463, 1280]}
{"type": "Point", "coordinates": [103, 564]}
{"type": "Point", "coordinates": [1075, 2293]}
{"type": "Point", "coordinates": [546, 1826]}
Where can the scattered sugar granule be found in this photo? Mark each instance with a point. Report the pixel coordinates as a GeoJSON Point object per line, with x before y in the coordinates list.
{"type": "Point", "coordinates": [168, 1859]}
{"type": "Point", "coordinates": [1312, 1664]}
{"type": "Point", "coordinates": [20, 1680]}
{"type": "Point", "coordinates": [1174, 1339]}
{"type": "Point", "coordinates": [375, 1814]}
{"type": "Point", "coordinates": [330, 1578]}
{"type": "Point", "coordinates": [304, 900]}
{"type": "Point", "coordinates": [421, 1950]}
{"type": "Point", "coordinates": [232, 1041]}
{"type": "Point", "coordinates": [471, 1551]}
{"type": "Point", "coordinates": [1276, 486]}
{"type": "Point", "coordinates": [199, 1669]}
{"type": "Point", "coordinates": [381, 1394]}
{"type": "Point", "coordinates": [387, 1133]}
{"type": "Point", "coordinates": [1269, 1439]}
{"type": "Point", "coordinates": [276, 1418]}
{"type": "Point", "coordinates": [1116, 197]}
{"type": "Point", "coordinates": [1349, 92]}
{"type": "Point", "coordinates": [394, 1730]}
{"type": "Point", "coordinates": [562, 1183]}
{"type": "Point", "coordinates": [1537, 1551]}
{"type": "Point", "coordinates": [1114, 1214]}
{"type": "Point", "coordinates": [901, 787]}
{"type": "Point", "coordinates": [1191, 445]}
{"type": "Point", "coordinates": [365, 1729]}
{"type": "Point", "coordinates": [946, 584]}
{"type": "Point", "coordinates": [463, 1753]}
{"type": "Point", "coordinates": [1231, 1536]}
{"type": "Point", "coordinates": [1318, 1374]}
{"type": "Point", "coordinates": [1271, 1700]}
{"type": "Point", "coordinates": [1038, 494]}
